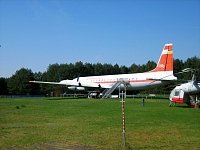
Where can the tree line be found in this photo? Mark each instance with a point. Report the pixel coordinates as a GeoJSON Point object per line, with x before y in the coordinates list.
{"type": "Point", "coordinates": [18, 84]}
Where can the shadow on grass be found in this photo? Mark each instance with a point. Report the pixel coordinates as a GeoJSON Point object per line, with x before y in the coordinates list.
{"type": "Point", "coordinates": [62, 98]}
{"type": "Point", "coordinates": [184, 106]}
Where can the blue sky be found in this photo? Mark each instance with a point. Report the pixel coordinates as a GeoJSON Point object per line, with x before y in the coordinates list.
{"type": "Point", "coordinates": [36, 33]}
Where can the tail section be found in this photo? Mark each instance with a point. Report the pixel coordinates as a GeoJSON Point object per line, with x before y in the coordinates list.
{"type": "Point", "coordinates": [165, 62]}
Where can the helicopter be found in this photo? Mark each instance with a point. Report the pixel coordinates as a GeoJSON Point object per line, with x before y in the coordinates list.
{"type": "Point", "coordinates": [188, 93]}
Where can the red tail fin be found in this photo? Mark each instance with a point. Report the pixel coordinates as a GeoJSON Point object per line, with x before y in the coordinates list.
{"type": "Point", "coordinates": [165, 62]}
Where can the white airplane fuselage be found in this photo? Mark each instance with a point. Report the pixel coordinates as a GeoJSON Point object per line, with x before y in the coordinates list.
{"type": "Point", "coordinates": [136, 81]}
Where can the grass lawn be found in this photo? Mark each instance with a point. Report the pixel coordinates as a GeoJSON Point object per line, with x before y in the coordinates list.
{"type": "Point", "coordinates": [42, 123]}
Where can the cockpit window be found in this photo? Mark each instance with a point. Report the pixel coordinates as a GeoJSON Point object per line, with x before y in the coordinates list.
{"type": "Point", "coordinates": [177, 93]}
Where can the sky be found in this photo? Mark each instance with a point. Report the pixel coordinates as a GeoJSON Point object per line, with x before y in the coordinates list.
{"type": "Point", "coordinates": [37, 33]}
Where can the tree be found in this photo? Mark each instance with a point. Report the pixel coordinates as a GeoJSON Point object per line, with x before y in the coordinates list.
{"type": "Point", "coordinates": [117, 69]}
{"type": "Point", "coordinates": [178, 66]}
{"type": "Point", "coordinates": [134, 68]}
{"type": "Point", "coordinates": [45, 88]}
{"type": "Point", "coordinates": [89, 69]}
{"type": "Point", "coordinates": [53, 73]}
{"type": "Point", "coordinates": [124, 69]}
{"type": "Point", "coordinates": [150, 65]}
{"type": "Point", "coordinates": [36, 88]}
{"type": "Point", "coordinates": [193, 63]}
{"type": "Point", "coordinates": [98, 69]}
{"type": "Point", "coordinates": [3, 86]}
{"type": "Point", "coordinates": [19, 82]}
{"type": "Point", "coordinates": [64, 71]}
{"type": "Point", "coordinates": [108, 69]}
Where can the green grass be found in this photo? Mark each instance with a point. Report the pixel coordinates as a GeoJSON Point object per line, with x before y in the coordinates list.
{"type": "Point", "coordinates": [41, 123]}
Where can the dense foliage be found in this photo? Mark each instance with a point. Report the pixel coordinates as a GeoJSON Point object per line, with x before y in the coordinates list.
{"type": "Point", "coordinates": [18, 83]}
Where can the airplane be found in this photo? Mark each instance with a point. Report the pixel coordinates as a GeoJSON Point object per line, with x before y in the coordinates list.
{"type": "Point", "coordinates": [161, 74]}
{"type": "Point", "coordinates": [188, 93]}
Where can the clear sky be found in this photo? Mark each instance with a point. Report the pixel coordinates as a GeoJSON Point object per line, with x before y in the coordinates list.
{"type": "Point", "coordinates": [36, 33]}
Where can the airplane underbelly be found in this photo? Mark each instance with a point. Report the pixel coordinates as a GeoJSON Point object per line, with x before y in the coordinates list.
{"type": "Point", "coordinates": [142, 85]}
{"type": "Point", "coordinates": [136, 85]}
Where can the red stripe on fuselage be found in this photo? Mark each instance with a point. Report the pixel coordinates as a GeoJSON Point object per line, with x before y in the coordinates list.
{"type": "Point", "coordinates": [130, 81]}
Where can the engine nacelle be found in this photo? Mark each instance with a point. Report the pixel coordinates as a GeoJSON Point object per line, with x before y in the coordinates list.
{"type": "Point", "coordinates": [76, 88]}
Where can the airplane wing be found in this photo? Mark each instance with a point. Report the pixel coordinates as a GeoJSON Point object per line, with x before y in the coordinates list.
{"type": "Point", "coordinates": [70, 83]}
{"type": "Point", "coordinates": [42, 82]}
